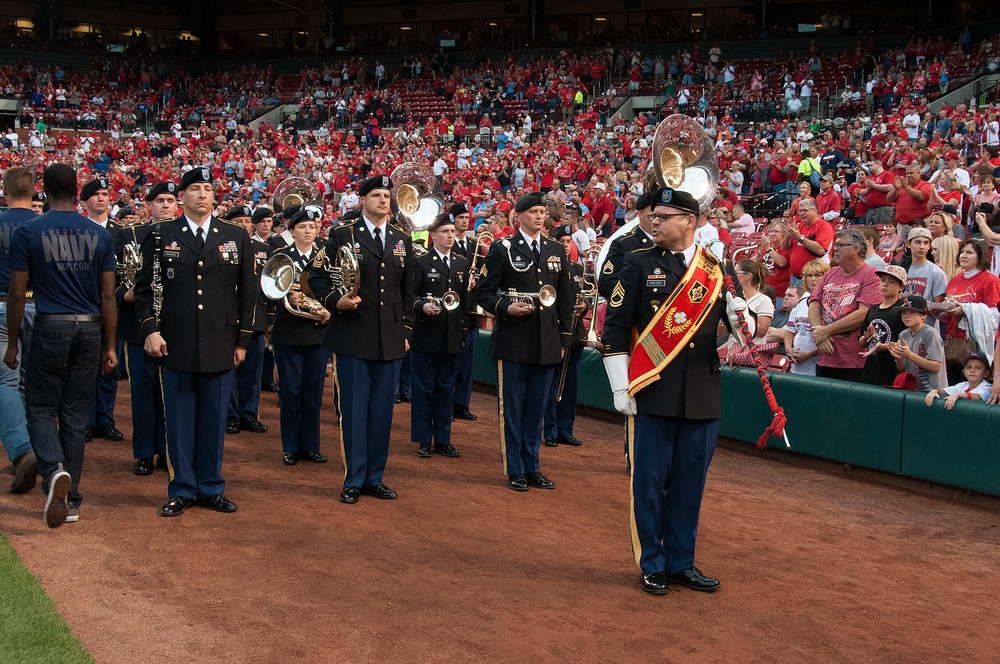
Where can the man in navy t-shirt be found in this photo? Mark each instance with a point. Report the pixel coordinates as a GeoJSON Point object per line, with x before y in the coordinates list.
{"type": "Point", "coordinates": [19, 185]}
{"type": "Point", "coordinates": [71, 264]}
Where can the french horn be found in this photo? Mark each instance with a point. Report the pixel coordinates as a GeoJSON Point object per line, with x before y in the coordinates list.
{"type": "Point", "coordinates": [417, 197]}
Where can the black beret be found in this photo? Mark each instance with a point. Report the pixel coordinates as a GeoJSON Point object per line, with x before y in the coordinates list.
{"type": "Point", "coordinates": [124, 212]}
{"type": "Point", "coordinates": [675, 198]}
{"type": "Point", "coordinates": [38, 196]}
{"type": "Point", "coordinates": [528, 201]}
{"type": "Point", "coordinates": [377, 182]}
{"type": "Point", "coordinates": [446, 219]}
{"type": "Point", "coordinates": [92, 187]}
{"type": "Point", "coordinates": [561, 231]}
{"type": "Point", "coordinates": [194, 176]}
{"type": "Point", "coordinates": [261, 213]}
{"type": "Point", "coordinates": [351, 215]}
{"type": "Point", "coordinates": [645, 200]}
{"type": "Point", "coordinates": [167, 187]}
{"type": "Point", "coordinates": [238, 211]}
{"type": "Point", "coordinates": [306, 213]}
{"type": "Point", "coordinates": [457, 209]}
{"type": "Point", "coordinates": [290, 211]}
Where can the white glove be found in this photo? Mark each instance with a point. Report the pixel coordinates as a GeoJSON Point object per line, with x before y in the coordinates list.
{"type": "Point", "coordinates": [735, 305]}
{"type": "Point", "coordinates": [617, 368]}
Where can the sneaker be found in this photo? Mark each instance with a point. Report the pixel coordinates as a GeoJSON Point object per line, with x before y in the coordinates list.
{"type": "Point", "coordinates": [56, 508]}
{"type": "Point", "coordinates": [72, 515]}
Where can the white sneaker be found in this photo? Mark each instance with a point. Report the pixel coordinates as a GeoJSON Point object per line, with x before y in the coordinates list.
{"type": "Point", "coordinates": [72, 515]}
{"type": "Point", "coordinates": [56, 509]}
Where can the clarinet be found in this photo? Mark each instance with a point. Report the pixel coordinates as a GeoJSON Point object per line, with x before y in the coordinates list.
{"type": "Point", "coordinates": [157, 286]}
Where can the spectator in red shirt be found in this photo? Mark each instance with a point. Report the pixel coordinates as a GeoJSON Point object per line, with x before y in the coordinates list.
{"type": "Point", "coordinates": [807, 240]}
{"type": "Point", "coordinates": [827, 200]}
{"type": "Point", "coordinates": [912, 197]}
{"type": "Point", "coordinates": [603, 211]}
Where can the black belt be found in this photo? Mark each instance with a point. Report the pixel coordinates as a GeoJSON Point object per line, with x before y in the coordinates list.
{"type": "Point", "coordinates": [69, 318]}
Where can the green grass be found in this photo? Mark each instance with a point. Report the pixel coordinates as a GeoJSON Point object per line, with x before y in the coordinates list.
{"type": "Point", "coordinates": [31, 629]}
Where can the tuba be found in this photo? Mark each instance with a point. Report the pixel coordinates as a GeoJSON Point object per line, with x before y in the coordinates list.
{"type": "Point", "coordinates": [278, 282]}
{"type": "Point", "coordinates": [294, 191]}
{"type": "Point", "coordinates": [417, 197]}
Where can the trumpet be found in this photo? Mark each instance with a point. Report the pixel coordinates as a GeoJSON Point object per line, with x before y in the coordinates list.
{"type": "Point", "coordinates": [546, 296]}
{"type": "Point", "coordinates": [447, 302]}
{"type": "Point", "coordinates": [278, 282]}
{"type": "Point", "coordinates": [589, 290]}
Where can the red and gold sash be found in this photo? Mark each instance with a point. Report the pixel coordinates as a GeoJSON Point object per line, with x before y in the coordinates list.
{"type": "Point", "coordinates": [676, 321]}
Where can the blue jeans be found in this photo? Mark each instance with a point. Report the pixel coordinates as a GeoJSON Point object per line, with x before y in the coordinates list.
{"type": "Point", "coordinates": [59, 394]}
{"type": "Point", "coordinates": [13, 423]}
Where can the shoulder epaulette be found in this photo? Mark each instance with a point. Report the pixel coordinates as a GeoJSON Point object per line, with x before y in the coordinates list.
{"type": "Point", "coordinates": [635, 251]}
{"type": "Point", "coordinates": [551, 240]}
{"type": "Point", "coordinates": [231, 223]}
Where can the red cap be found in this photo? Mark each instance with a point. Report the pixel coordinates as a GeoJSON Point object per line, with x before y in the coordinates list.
{"type": "Point", "coordinates": [904, 381]}
{"type": "Point", "coordinates": [951, 155]}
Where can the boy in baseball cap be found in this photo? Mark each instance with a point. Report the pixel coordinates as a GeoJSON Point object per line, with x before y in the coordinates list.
{"type": "Point", "coordinates": [975, 386]}
{"type": "Point", "coordinates": [881, 327]}
{"type": "Point", "coordinates": [920, 350]}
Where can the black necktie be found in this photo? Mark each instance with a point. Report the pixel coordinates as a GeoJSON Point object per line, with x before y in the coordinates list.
{"type": "Point", "coordinates": [534, 249]}
{"type": "Point", "coordinates": [378, 239]}
{"type": "Point", "coordinates": [199, 237]}
{"type": "Point", "coordinates": [680, 258]}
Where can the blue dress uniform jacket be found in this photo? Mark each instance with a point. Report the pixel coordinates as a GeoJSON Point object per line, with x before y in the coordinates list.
{"type": "Point", "coordinates": [289, 329]}
{"type": "Point", "coordinates": [208, 295]}
{"type": "Point", "coordinates": [128, 320]}
{"type": "Point", "coordinates": [689, 387]}
{"type": "Point", "coordinates": [620, 247]}
{"type": "Point", "coordinates": [527, 339]}
{"type": "Point", "coordinates": [445, 332]}
{"type": "Point", "coordinates": [380, 326]}
{"type": "Point", "coordinates": [261, 316]}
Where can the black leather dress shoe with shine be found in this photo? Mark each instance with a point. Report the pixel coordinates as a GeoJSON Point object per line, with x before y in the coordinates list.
{"type": "Point", "coordinates": [350, 495]}
{"type": "Point", "coordinates": [379, 491]}
{"type": "Point", "coordinates": [517, 482]}
{"type": "Point", "coordinates": [315, 457]}
{"type": "Point", "coordinates": [232, 425]}
{"type": "Point", "coordinates": [540, 481]}
{"type": "Point", "coordinates": [176, 506]}
{"type": "Point", "coordinates": [447, 450]}
{"type": "Point", "coordinates": [218, 503]}
{"type": "Point", "coordinates": [655, 583]}
{"type": "Point", "coordinates": [143, 467]}
{"type": "Point", "coordinates": [290, 459]}
{"type": "Point", "coordinates": [693, 578]}
{"type": "Point", "coordinates": [424, 452]}
{"type": "Point", "coordinates": [252, 424]}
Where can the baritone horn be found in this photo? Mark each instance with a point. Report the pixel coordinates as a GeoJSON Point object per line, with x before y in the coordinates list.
{"type": "Point", "coordinates": [278, 282]}
{"type": "Point", "coordinates": [546, 296]}
{"type": "Point", "coordinates": [417, 197]}
{"type": "Point", "coordinates": [294, 191]}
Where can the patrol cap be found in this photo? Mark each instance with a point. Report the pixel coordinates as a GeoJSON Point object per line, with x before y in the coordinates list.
{"type": "Point", "coordinates": [528, 201]}
{"type": "Point", "coordinates": [237, 212]}
{"type": "Point", "coordinates": [194, 176]}
{"type": "Point", "coordinates": [457, 209]}
{"type": "Point", "coordinates": [306, 213]}
{"type": "Point", "coordinates": [675, 198]}
{"type": "Point", "coordinates": [92, 187]}
{"type": "Point", "coordinates": [561, 231]}
{"type": "Point", "coordinates": [645, 201]}
{"type": "Point", "coordinates": [260, 214]}
{"type": "Point", "coordinates": [377, 182]}
{"type": "Point", "coordinates": [447, 219]}
{"type": "Point", "coordinates": [167, 187]}
{"type": "Point", "coordinates": [124, 212]}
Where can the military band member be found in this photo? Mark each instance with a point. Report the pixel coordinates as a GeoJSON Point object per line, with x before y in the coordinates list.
{"type": "Point", "coordinates": [464, 245]}
{"type": "Point", "coordinates": [209, 290]}
{"type": "Point", "coordinates": [528, 338]}
{"type": "Point", "coordinates": [38, 202]}
{"type": "Point", "coordinates": [669, 295]}
{"type": "Point", "coordinates": [368, 334]}
{"type": "Point", "coordinates": [438, 337]}
{"type": "Point", "coordinates": [244, 403]}
{"type": "Point", "coordinates": [560, 416]}
{"type": "Point", "coordinates": [263, 222]}
{"type": "Point", "coordinates": [148, 426]}
{"type": "Point", "coordinates": [95, 196]}
{"type": "Point", "coordinates": [299, 354]}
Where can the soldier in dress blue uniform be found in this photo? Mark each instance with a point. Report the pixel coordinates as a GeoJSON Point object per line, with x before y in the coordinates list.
{"type": "Point", "coordinates": [148, 429]}
{"type": "Point", "coordinates": [245, 400]}
{"type": "Point", "coordinates": [299, 354]}
{"type": "Point", "coordinates": [464, 246]}
{"type": "Point", "coordinates": [368, 334]}
{"type": "Point", "coordinates": [560, 416]}
{"type": "Point", "coordinates": [675, 418]}
{"type": "Point", "coordinates": [438, 338]}
{"type": "Point", "coordinates": [263, 222]}
{"type": "Point", "coordinates": [210, 288]}
{"type": "Point", "coordinates": [95, 196]}
{"type": "Point", "coordinates": [528, 340]}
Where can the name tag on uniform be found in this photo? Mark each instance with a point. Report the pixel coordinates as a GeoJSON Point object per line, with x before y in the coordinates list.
{"type": "Point", "coordinates": [519, 263]}
{"type": "Point", "coordinates": [172, 250]}
{"type": "Point", "coordinates": [553, 264]}
{"type": "Point", "coordinates": [434, 276]}
{"type": "Point", "coordinates": [656, 281]}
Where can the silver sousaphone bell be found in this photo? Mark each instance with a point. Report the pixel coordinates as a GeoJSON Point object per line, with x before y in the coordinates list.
{"type": "Point", "coordinates": [417, 197]}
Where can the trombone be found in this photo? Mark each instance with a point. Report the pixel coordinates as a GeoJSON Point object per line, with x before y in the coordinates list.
{"type": "Point", "coordinates": [546, 297]}
{"type": "Point", "coordinates": [447, 302]}
{"type": "Point", "coordinates": [278, 282]}
{"type": "Point", "coordinates": [588, 294]}
{"type": "Point", "coordinates": [483, 241]}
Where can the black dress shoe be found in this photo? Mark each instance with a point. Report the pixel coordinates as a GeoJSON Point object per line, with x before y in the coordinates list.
{"type": "Point", "coordinates": [290, 459]}
{"type": "Point", "coordinates": [268, 387]}
{"type": "Point", "coordinates": [252, 424]}
{"type": "Point", "coordinates": [397, 400]}
{"type": "Point", "coordinates": [315, 457]}
{"type": "Point", "coordinates": [425, 451]}
{"type": "Point", "coordinates": [517, 482]}
{"type": "Point", "coordinates": [405, 398]}
{"type": "Point", "coordinates": [108, 432]}
{"type": "Point", "coordinates": [218, 502]}
{"type": "Point", "coordinates": [161, 461]}
{"type": "Point", "coordinates": [655, 583]}
{"type": "Point", "coordinates": [143, 466]}
{"type": "Point", "coordinates": [379, 491]}
{"type": "Point", "coordinates": [551, 442]}
{"type": "Point", "coordinates": [540, 481]}
{"type": "Point", "coordinates": [572, 441]}
{"type": "Point", "coordinates": [232, 425]}
{"type": "Point", "coordinates": [88, 434]}
{"type": "Point", "coordinates": [350, 495]}
{"type": "Point", "coordinates": [460, 413]}
{"type": "Point", "coordinates": [693, 578]}
{"type": "Point", "coordinates": [447, 450]}
{"type": "Point", "coordinates": [176, 506]}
